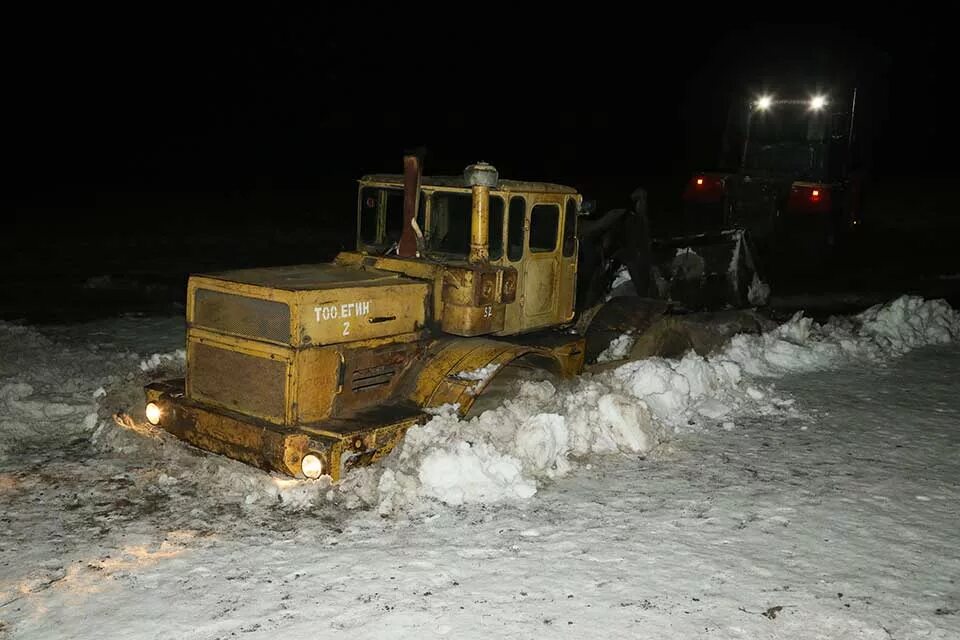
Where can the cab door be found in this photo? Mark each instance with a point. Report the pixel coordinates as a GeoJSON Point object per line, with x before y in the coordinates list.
{"type": "Point", "coordinates": [569, 251]}
{"type": "Point", "coordinates": [541, 263]}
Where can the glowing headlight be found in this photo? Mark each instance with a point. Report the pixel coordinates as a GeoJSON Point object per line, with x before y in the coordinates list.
{"type": "Point", "coordinates": [818, 102]}
{"type": "Point", "coordinates": [763, 103]}
{"type": "Point", "coordinates": [312, 466]}
{"type": "Point", "coordinates": [153, 413]}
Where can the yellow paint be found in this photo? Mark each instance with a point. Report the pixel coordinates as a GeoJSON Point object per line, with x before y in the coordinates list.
{"type": "Point", "coordinates": [362, 341]}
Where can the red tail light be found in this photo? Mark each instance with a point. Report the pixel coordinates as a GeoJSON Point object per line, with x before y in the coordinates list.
{"type": "Point", "coordinates": [704, 189]}
{"type": "Point", "coordinates": [809, 198]}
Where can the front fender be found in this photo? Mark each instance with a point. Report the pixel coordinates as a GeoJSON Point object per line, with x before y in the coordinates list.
{"type": "Point", "coordinates": [458, 370]}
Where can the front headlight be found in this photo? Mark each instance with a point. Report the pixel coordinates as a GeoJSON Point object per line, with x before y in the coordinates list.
{"type": "Point", "coordinates": [154, 413]}
{"type": "Point", "coordinates": [312, 466]}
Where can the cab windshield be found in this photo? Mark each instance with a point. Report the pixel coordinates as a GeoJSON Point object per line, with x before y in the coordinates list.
{"type": "Point", "coordinates": [788, 139]}
{"type": "Point", "coordinates": [443, 217]}
{"type": "Point", "coordinates": [449, 228]}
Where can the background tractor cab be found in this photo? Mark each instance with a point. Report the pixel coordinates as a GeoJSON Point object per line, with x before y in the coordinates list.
{"type": "Point", "coordinates": [792, 175]}
{"type": "Point", "coordinates": [788, 190]}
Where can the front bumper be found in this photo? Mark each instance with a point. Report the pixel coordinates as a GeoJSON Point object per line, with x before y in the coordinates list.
{"type": "Point", "coordinates": [340, 445]}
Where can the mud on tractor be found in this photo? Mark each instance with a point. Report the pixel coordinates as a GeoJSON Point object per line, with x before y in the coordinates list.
{"type": "Point", "coordinates": [309, 370]}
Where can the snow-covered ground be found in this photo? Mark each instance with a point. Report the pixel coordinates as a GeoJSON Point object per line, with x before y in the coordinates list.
{"type": "Point", "coordinates": [799, 484]}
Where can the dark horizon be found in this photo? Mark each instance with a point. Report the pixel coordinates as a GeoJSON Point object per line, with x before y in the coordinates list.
{"type": "Point", "coordinates": [297, 108]}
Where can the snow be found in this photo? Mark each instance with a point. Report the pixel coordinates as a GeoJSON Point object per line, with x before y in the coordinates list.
{"type": "Point", "coordinates": [880, 332]}
{"type": "Point", "coordinates": [759, 292]}
{"type": "Point", "coordinates": [622, 285]}
{"type": "Point", "coordinates": [478, 374]}
{"type": "Point", "coordinates": [797, 484]}
{"type": "Point", "coordinates": [472, 473]}
{"type": "Point", "coordinates": [481, 376]}
{"type": "Point", "coordinates": [618, 349]}
{"type": "Point", "coordinates": [621, 277]}
{"type": "Point", "coordinates": [734, 267]}
{"type": "Point", "coordinates": [48, 388]}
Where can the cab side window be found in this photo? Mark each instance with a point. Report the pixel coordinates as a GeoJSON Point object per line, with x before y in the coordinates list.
{"type": "Point", "coordinates": [544, 224]}
{"type": "Point", "coordinates": [496, 227]}
{"type": "Point", "coordinates": [518, 207]}
{"type": "Point", "coordinates": [570, 228]}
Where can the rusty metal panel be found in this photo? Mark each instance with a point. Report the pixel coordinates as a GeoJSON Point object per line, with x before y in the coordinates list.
{"type": "Point", "coordinates": [414, 268]}
{"type": "Point", "coordinates": [472, 321]}
{"type": "Point", "coordinates": [317, 380]}
{"type": "Point", "coordinates": [238, 381]}
{"type": "Point", "coordinates": [242, 315]}
{"type": "Point", "coordinates": [370, 376]}
{"type": "Point", "coordinates": [362, 313]}
{"type": "Point", "coordinates": [243, 438]}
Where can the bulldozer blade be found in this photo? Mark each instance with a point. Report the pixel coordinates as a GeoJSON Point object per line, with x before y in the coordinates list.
{"type": "Point", "coordinates": [714, 270]}
{"type": "Point", "coordinates": [673, 336]}
{"type": "Point", "coordinates": [618, 316]}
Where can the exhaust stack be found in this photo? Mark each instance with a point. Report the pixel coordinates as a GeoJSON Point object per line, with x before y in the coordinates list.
{"type": "Point", "coordinates": [412, 171]}
{"type": "Point", "coordinates": [480, 177]}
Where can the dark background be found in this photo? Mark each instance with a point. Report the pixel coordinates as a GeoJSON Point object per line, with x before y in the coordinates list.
{"type": "Point", "coordinates": [144, 147]}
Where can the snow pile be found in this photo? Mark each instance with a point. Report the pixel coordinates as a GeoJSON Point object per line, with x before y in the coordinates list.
{"type": "Point", "coordinates": [36, 396]}
{"type": "Point", "coordinates": [539, 434]}
{"type": "Point", "coordinates": [178, 472]}
{"type": "Point", "coordinates": [54, 389]}
{"type": "Point", "coordinates": [159, 360]}
{"type": "Point", "coordinates": [503, 453]}
{"type": "Point", "coordinates": [909, 322]}
{"type": "Point", "coordinates": [880, 332]}
{"type": "Point", "coordinates": [51, 388]}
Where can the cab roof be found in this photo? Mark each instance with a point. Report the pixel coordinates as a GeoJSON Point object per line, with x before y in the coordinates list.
{"type": "Point", "coordinates": [457, 182]}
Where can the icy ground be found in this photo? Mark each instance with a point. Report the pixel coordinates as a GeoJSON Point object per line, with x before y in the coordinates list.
{"type": "Point", "coordinates": [801, 484]}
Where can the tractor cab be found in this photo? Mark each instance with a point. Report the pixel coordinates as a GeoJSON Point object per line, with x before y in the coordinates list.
{"type": "Point", "coordinates": [501, 254]}
{"type": "Point", "coordinates": [790, 166]}
{"type": "Point", "coordinates": [798, 139]}
{"type": "Point", "coordinates": [785, 194]}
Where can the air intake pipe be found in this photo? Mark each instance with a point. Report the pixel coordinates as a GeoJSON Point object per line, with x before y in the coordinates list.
{"type": "Point", "coordinates": [480, 177]}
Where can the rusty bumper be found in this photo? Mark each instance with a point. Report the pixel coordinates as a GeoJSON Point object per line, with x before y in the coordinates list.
{"type": "Point", "coordinates": [270, 446]}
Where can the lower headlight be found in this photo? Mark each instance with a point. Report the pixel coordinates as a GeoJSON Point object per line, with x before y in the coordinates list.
{"type": "Point", "coordinates": [312, 466]}
{"type": "Point", "coordinates": [153, 413]}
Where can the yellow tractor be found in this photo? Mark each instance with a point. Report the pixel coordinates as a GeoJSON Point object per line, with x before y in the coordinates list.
{"type": "Point", "coordinates": [309, 370]}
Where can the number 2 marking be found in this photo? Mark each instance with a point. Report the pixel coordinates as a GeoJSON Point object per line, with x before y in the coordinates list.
{"type": "Point", "coordinates": [346, 328]}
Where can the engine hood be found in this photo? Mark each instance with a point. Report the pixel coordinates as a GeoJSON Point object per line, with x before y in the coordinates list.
{"type": "Point", "coordinates": [306, 277]}
{"type": "Point", "coordinates": [307, 305]}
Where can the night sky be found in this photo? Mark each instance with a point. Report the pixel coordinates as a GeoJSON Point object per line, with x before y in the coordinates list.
{"type": "Point", "coordinates": [150, 110]}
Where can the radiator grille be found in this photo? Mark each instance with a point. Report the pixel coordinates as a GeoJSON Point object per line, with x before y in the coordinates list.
{"type": "Point", "coordinates": [371, 378]}
{"type": "Point", "coordinates": [237, 381]}
{"type": "Point", "coordinates": [241, 315]}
